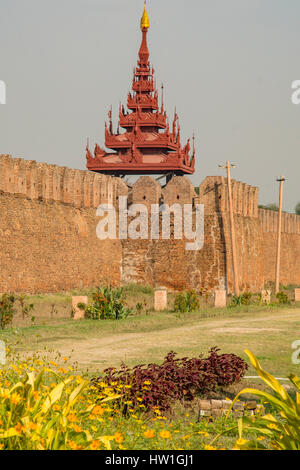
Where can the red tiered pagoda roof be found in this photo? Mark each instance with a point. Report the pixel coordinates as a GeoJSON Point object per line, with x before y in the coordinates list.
{"type": "Point", "coordinates": [148, 145]}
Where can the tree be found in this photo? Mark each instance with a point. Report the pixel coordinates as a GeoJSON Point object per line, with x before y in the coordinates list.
{"type": "Point", "coordinates": [297, 208]}
{"type": "Point", "coordinates": [270, 207]}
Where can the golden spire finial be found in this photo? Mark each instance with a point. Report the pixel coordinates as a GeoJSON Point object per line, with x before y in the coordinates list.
{"type": "Point", "coordinates": [145, 22]}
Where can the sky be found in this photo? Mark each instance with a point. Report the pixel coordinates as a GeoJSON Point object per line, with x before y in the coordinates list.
{"type": "Point", "coordinates": [227, 65]}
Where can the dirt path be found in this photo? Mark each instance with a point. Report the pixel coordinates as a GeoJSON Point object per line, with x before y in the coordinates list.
{"type": "Point", "coordinates": [231, 334]}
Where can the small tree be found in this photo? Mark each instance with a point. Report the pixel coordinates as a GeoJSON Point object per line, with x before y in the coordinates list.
{"type": "Point", "coordinates": [7, 310]}
{"type": "Point", "coordinates": [297, 208]}
{"type": "Point", "coordinates": [271, 207]}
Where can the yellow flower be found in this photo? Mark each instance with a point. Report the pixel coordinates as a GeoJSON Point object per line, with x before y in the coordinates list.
{"type": "Point", "coordinates": [241, 442]}
{"type": "Point", "coordinates": [95, 445]}
{"type": "Point", "coordinates": [53, 363]}
{"type": "Point", "coordinates": [210, 447]}
{"type": "Point", "coordinates": [5, 394]}
{"type": "Point", "coordinates": [272, 426]}
{"type": "Point", "coordinates": [118, 438]}
{"type": "Point", "coordinates": [32, 426]}
{"type": "Point", "coordinates": [72, 418]}
{"type": "Point", "coordinates": [98, 410]}
{"type": "Point", "coordinates": [165, 434]}
{"type": "Point", "coordinates": [74, 446]}
{"type": "Point", "coordinates": [149, 433]}
{"type": "Point", "coordinates": [15, 399]}
{"type": "Point", "coordinates": [77, 428]}
{"type": "Point", "coordinates": [56, 407]}
{"type": "Point", "coordinates": [19, 428]}
{"type": "Point", "coordinates": [261, 438]}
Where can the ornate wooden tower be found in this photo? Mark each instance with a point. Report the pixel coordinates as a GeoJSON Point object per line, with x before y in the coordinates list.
{"type": "Point", "coordinates": [148, 145]}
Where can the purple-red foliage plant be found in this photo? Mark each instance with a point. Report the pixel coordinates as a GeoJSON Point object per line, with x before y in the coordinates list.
{"type": "Point", "coordinates": [155, 385]}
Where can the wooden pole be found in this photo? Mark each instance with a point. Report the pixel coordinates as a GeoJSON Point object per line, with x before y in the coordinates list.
{"type": "Point", "coordinates": [277, 277]}
{"type": "Point", "coordinates": [232, 231]}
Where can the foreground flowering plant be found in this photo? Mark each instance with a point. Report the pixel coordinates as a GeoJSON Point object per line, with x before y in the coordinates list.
{"type": "Point", "coordinates": [34, 415]}
{"type": "Point", "coordinates": [49, 405]}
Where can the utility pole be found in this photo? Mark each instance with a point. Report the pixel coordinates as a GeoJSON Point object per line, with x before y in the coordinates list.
{"type": "Point", "coordinates": [232, 230]}
{"type": "Point", "coordinates": [277, 278]}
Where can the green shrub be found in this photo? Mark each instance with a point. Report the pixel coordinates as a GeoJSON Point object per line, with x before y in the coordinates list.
{"type": "Point", "coordinates": [282, 298]}
{"type": "Point", "coordinates": [188, 301]}
{"type": "Point", "coordinates": [8, 304]}
{"type": "Point", "coordinates": [139, 308]}
{"type": "Point", "coordinates": [108, 304]}
{"type": "Point", "coordinates": [243, 299]}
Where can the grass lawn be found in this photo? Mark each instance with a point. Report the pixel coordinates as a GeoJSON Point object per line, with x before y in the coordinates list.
{"type": "Point", "coordinates": [267, 331]}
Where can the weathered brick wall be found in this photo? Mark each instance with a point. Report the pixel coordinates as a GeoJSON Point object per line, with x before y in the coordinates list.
{"type": "Point", "coordinates": [48, 236]}
{"type": "Point", "coordinates": [213, 193]}
{"type": "Point", "coordinates": [290, 246]}
{"type": "Point", "coordinates": [168, 263]}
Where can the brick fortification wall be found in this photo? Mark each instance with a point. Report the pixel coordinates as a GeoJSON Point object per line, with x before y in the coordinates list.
{"type": "Point", "coordinates": [48, 227]}
{"type": "Point", "coordinates": [213, 194]}
{"type": "Point", "coordinates": [166, 262]}
{"type": "Point", "coordinates": [290, 246]}
{"type": "Point", "coordinates": [48, 236]}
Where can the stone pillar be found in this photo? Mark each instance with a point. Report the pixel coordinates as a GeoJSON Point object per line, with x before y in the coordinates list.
{"type": "Point", "coordinates": [78, 313]}
{"type": "Point", "coordinates": [297, 295]}
{"type": "Point", "coordinates": [220, 298]}
{"type": "Point", "coordinates": [160, 299]}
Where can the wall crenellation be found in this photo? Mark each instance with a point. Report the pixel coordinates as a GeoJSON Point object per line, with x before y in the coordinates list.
{"type": "Point", "coordinates": [269, 221]}
{"type": "Point", "coordinates": [213, 193]}
{"type": "Point", "coordinates": [40, 181]}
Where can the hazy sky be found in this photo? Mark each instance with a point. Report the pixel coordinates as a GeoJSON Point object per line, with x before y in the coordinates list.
{"type": "Point", "coordinates": [227, 65]}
